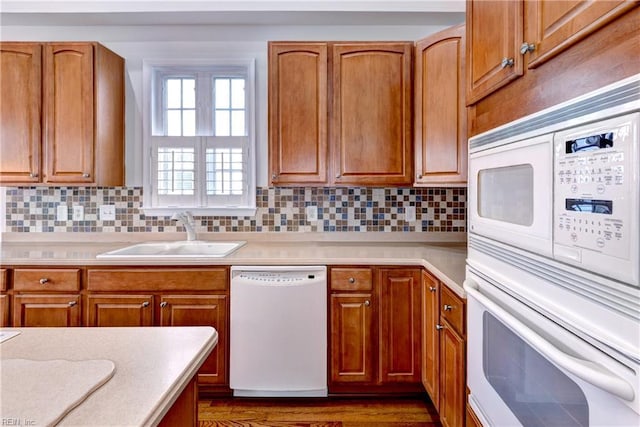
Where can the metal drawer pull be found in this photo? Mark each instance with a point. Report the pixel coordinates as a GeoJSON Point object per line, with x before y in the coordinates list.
{"type": "Point", "coordinates": [145, 304]}
{"type": "Point", "coordinates": [72, 303]}
{"type": "Point", "coordinates": [438, 327]}
{"type": "Point", "coordinates": [43, 280]}
{"type": "Point", "coordinates": [447, 307]}
{"type": "Point", "coordinates": [163, 304]}
{"type": "Point", "coordinates": [507, 62]}
{"type": "Point", "coordinates": [432, 289]}
{"type": "Point", "coordinates": [367, 303]}
{"type": "Point", "coordinates": [352, 280]}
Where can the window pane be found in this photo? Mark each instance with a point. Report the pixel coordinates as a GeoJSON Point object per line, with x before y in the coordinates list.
{"type": "Point", "coordinates": [237, 123]}
{"type": "Point", "coordinates": [224, 174]}
{"type": "Point", "coordinates": [188, 93]}
{"type": "Point", "coordinates": [176, 171]}
{"type": "Point", "coordinates": [237, 93]}
{"type": "Point", "coordinates": [174, 93]}
{"type": "Point", "coordinates": [222, 123]}
{"type": "Point", "coordinates": [189, 123]}
{"type": "Point", "coordinates": [174, 123]}
{"type": "Point", "coordinates": [222, 93]}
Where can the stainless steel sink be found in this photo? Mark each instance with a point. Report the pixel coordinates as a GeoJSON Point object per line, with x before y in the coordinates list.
{"type": "Point", "coordinates": [180, 249]}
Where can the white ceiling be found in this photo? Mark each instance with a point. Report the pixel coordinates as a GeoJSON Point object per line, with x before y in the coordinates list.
{"type": "Point", "coordinates": [230, 12]}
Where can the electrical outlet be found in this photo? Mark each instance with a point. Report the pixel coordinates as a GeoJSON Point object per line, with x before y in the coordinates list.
{"type": "Point", "coordinates": [108, 212]}
{"type": "Point", "coordinates": [312, 213]}
{"type": "Point", "coordinates": [410, 214]}
{"type": "Point", "coordinates": [78, 213]}
{"type": "Point", "coordinates": [62, 213]}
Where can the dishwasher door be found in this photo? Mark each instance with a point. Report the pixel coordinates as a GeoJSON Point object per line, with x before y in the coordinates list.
{"type": "Point", "coordinates": [278, 331]}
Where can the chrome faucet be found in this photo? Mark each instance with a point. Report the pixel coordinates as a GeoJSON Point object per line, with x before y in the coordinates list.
{"type": "Point", "coordinates": [186, 218]}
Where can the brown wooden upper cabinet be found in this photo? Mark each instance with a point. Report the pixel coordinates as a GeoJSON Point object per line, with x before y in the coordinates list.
{"type": "Point", "coordinates": [503, 36]}
{"type": "Point", "coordinates": [298, 150]}
{"type": "Point", "coordinates": [62, 120]}
{"type": "Point", "coordinates": [440, 114]}
{"type": "Point", "coordinates": [340, 113]}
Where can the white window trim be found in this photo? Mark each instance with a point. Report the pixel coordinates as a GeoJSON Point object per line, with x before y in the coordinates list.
{"type": "Point", "coordinates": [147, 122]}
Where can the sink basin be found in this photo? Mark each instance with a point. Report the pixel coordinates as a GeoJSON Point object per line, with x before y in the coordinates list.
{"type": "Point", "coordinates": [181, 249]}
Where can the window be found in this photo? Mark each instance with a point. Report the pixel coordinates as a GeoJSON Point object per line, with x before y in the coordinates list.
{"type": "Point", "coordinates": [199, 134]}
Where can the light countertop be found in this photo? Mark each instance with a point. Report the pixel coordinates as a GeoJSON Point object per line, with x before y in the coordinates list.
{"type": "Point", "coordinates": [444, 260]}
{"type": "Point", "coordinates": [152, 367]}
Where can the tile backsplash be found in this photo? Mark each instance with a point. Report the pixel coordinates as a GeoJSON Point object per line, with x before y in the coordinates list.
{"type": "Point", "coordinates": [33, 209]}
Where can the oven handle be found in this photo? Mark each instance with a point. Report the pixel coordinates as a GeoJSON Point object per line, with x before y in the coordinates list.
{"type": "Point", "coordinates": [589, 371]}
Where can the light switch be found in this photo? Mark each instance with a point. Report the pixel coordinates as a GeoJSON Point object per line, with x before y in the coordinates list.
{"type": "Point", "coordinates": [78, 213]}
{"type": "Point", "coordinates": [410, 214]}
{"type": "Point", "coordinates": [62, 213]}
{"type": "Point", "coordinates": [108, 212]}
{"type": "Point", "coordinates": [312, 213]}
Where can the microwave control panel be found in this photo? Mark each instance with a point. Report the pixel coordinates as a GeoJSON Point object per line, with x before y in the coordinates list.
{"type": "Point", "coordinates": [596, 192]}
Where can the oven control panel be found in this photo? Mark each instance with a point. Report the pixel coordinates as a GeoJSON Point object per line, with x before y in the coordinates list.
{"type": "Point", "coordinates": [596, 194]}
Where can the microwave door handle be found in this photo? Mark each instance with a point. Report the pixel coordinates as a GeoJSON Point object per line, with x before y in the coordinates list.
{"type": "Point", "coordinates": [588, 371]}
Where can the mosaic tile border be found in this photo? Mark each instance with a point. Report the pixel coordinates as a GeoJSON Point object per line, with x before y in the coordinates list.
{"type": "Point", "coordinates": [33, 209]}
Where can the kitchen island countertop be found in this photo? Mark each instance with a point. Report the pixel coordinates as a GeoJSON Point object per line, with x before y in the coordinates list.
{"type": "Point", "coordinates": [152, 367]}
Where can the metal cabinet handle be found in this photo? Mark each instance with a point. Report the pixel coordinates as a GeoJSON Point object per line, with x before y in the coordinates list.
{"type": "Point", "coordinates": [367, 303]}
{"type": "Point", "coordinates": [163, 304]}
{"type": "Point", "coordinates": [72, 303]}
{"type": "Point", "coordinates": [43, 280]}
{"type": "Point", "coordinates": [33, 175]}
{"type": "Point", "coordinates": [507, 62]}
{"type": "Point", "coordinates": [274, 176]}
{"type": "Point", "coordinates": [352, 280]}
{"type": "Point", "coordinates": [419, 176]}
{"type": "Point", "coordinates": [432, 289]}
{"type": "Point", "coordinates": [439, 327]}
{"type": "Point", "coordinates": [447, 307]}
{"type": "Point", "coordinates": [145, 304]}
{"type": "Point", "coordinates": [527, 47]}
{"type": "Point", "coordinates": [86, 175]}
{"type": "Point", "coordinates": [338, 176]}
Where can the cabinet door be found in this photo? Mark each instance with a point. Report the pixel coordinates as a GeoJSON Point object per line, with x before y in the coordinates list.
{"type": "Point", "coordinates": [120, 310]}
{"type": "Point", "coordinates": [371, 113]}
{"type": "Point", "coordinates": [68, 112]}
{"type": "Point", "coordinates": [46, 310]}
{"type": "Point", "coordinates": [452, 378]}
{"type": "Point", "coordinates": [400, 326]}
{"type": "Point", "coordinates": [440, 112]}
{"type": "Point", "coordinates": [20, 91]}
{"type": "Point", "coordinates": [351, 338]}
{"type": "Point", "coordinates": [298, 147]}
{"type": "Point", "coordinates": [494, 37]}
{"type": "Point", "coordinates": [202, 310]}
{"type": "Point", "coordinates": [431, 337]}
{"type": "Point", "coordinates": [553, 26]}
{"type": "Point", "coordinates": [4, 311]}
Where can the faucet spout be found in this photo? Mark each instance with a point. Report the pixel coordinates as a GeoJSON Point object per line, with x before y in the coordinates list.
{"type": "Point", "coordinates": [186, 218]}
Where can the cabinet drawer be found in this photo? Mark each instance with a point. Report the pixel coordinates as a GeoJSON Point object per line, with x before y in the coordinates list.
{"type": "Point", "coordinates": [3, 279]}
{"type": "Point", "coordinates": [46, 280]}
{"type": "Point", "coordinates": [351, 279]}
{"type": "Point", "coordinates": [452, 309]}
{"type": "Point", "coordinates": [158, 280]}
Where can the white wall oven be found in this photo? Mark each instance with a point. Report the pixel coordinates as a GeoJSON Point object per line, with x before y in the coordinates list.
{"type": "Point", "coordinates": [553, 265]}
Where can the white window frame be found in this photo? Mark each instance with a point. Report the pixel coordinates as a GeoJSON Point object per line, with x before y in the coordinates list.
{"type": "Point", "coordinates": [225, 205]}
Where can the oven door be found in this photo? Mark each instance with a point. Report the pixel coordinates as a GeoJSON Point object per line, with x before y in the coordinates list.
{"type": "Point", "coordinates": [523, 369]}
{"type": "Point", "coordinates": [510, 193]}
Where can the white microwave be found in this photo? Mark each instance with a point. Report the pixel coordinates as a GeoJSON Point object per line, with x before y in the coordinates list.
{"type": "Point", "coordinates": [564, 183]}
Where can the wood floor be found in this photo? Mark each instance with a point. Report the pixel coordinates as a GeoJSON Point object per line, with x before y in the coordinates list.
{"type": "Point", "coordinates": [332, 412]}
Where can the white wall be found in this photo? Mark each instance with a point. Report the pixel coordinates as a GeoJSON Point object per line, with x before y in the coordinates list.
{"type": "Point", "coordinates": [136, 43]}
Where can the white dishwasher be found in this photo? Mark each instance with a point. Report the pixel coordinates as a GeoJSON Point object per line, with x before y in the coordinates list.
{"type": "Point", "coordinates": [278, 331]}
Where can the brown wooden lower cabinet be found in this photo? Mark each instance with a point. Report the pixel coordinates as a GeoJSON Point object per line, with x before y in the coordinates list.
{"type": "Point", "coordinates": [5, 319]}
{"type": "Point", "coordinates": [374, 317]}
{"type": "Point", "coordinates": [184, 411]}
{"type": "Point", "coordinates": [46, 310]}
{"type": "Point", "coordinates": [444, 344]}
{"type": "Point", "coordinates": [120, 310]}
{"type": "Point", "coordinates": [471, 418]}
{"type": "Point", "coordinates": [202, 310]}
